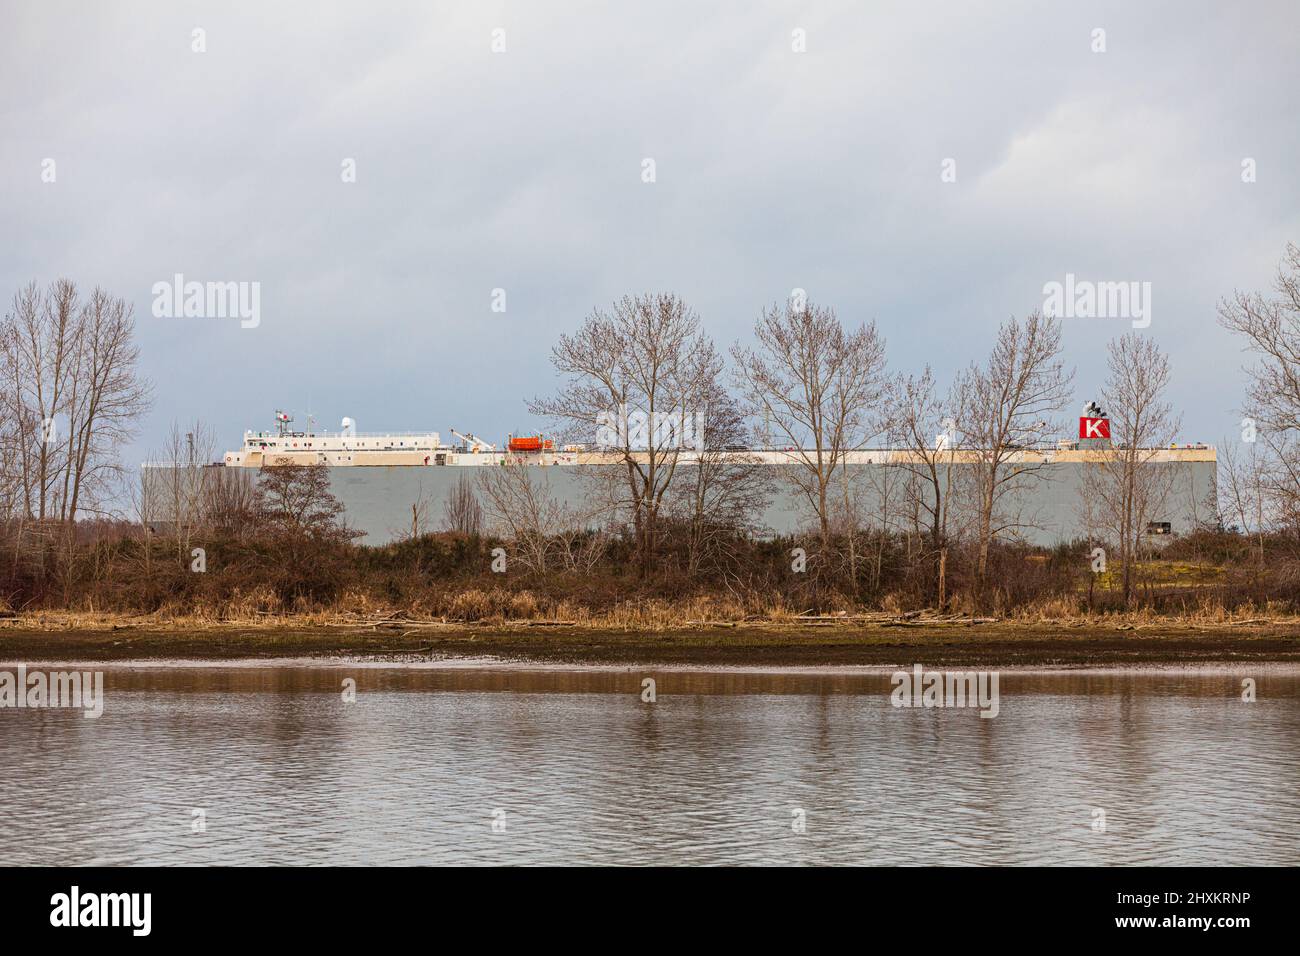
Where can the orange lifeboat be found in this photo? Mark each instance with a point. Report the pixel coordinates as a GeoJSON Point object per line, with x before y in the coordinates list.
{"type": "Point", "coordinates": [529, 443]}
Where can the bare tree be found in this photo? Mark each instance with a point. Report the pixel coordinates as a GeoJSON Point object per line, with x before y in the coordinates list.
{"type": "Point", "coordinates": [724, 489]}
{"type": "Point", "coordinates": [41, 335]}
{"type": "Point", "coordinates": [462, 512]}
{"type": "Point", "coordinates": [303, 525]}
{"type": "Point", "coordinates": [1007, 404]}
{"type": "Point", "coordinates": [578, 545]}
{"type": "Point", "coordinates": [177, 482]}
{"type": "Point", "coordinates": [231, 505]}
{"type": "Point", "coordinates": [419, 518]}
{"type": "Point", "coordinates": [877, 506]}
{"type": "Point", "coordinates": [106, 402]}
{"type": "Point", "coordinates": [925, 427]}
{"type": "Point", "coordinates": [1243, 495]}
{"type": "Point", "coordinates": [10, 476]}
{"type": "Point", "coordinates": [1124, 488]}
{"type": "Point", "coordinates": [544, 532]}
{"type": "Point", "coordinates": [72, 394]}
{"type": "Point", "coordinates": [295, 502]}
{"type": "Point", "coordinates": [818, 385]}
{"type": "Point", "coordinates": [636, 377]}
{"type": "Point", "coordinates": [524, 510]}
{"type": "Point", "coordinates": [1271, 327]}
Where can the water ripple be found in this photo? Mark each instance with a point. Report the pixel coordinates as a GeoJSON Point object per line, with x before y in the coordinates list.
{"type": "Point", "coordinates": [722, 769]}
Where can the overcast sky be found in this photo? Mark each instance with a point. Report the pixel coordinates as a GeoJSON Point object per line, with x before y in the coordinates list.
{"type": "Point", "coordinates": [523, 170]}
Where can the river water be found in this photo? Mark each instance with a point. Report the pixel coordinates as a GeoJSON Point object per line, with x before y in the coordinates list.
{"type": "Point", "coordinates": [269, 764]}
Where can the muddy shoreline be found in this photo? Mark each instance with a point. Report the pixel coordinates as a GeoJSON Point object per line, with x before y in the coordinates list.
{"type": "Point", "coordinates": [988, 645]}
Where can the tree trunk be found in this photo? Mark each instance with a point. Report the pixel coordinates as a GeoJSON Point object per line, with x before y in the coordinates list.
{"type": "Point", "coordinates": [943, 572]}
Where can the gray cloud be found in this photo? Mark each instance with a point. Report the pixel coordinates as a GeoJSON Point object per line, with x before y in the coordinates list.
{"type": "Point", "coordinates": [522, 171]}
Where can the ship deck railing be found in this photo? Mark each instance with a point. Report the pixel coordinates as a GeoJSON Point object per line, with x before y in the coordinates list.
{"type": "Point", "coordinates": [411, 434]}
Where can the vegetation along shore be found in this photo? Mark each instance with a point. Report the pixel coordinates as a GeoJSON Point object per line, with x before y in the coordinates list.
{"type": "Point", "coordinates": [665, 559]}
{"type": "Point", "coordinates": [927, 638]}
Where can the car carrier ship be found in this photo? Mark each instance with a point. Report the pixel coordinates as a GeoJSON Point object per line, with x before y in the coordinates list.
{"type": "Point", "coordinates": [350, 448]}
{"type": "Point", "coordinates": [383, 479]}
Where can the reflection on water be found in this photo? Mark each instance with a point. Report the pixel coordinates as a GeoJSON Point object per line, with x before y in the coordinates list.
{"type": "Point", "coordinates": [583, 771]}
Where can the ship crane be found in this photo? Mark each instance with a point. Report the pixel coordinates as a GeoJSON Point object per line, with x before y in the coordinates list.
{"type": "Point", "coordinates": [475, 443]}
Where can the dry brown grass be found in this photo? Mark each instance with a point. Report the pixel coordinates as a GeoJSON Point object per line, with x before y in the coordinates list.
{"type": "Point", "coordinates": [496, 608]}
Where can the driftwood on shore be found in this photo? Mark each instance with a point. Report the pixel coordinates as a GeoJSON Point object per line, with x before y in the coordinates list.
{"type": "Point", "coordinates": [400, 624]}
{"type": "Point", "coordinates": [891, 619]}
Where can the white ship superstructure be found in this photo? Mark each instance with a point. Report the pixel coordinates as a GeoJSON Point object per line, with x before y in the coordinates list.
{"type": "Point", "coordinates": [419, 449]}
{"type": "Point", "coordinates": [352, 448]}
{"type": "Point", "coordinates": [359, 448]}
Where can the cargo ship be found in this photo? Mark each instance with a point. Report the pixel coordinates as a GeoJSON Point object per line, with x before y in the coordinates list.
{"type": "Point", "coordinates": [395, 483]}
{"type": "Point", "coordinates": [350, 448]}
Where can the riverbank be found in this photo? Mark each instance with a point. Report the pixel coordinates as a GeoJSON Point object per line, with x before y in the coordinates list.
{"type": "Point", "coordinates": [934, 641]}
